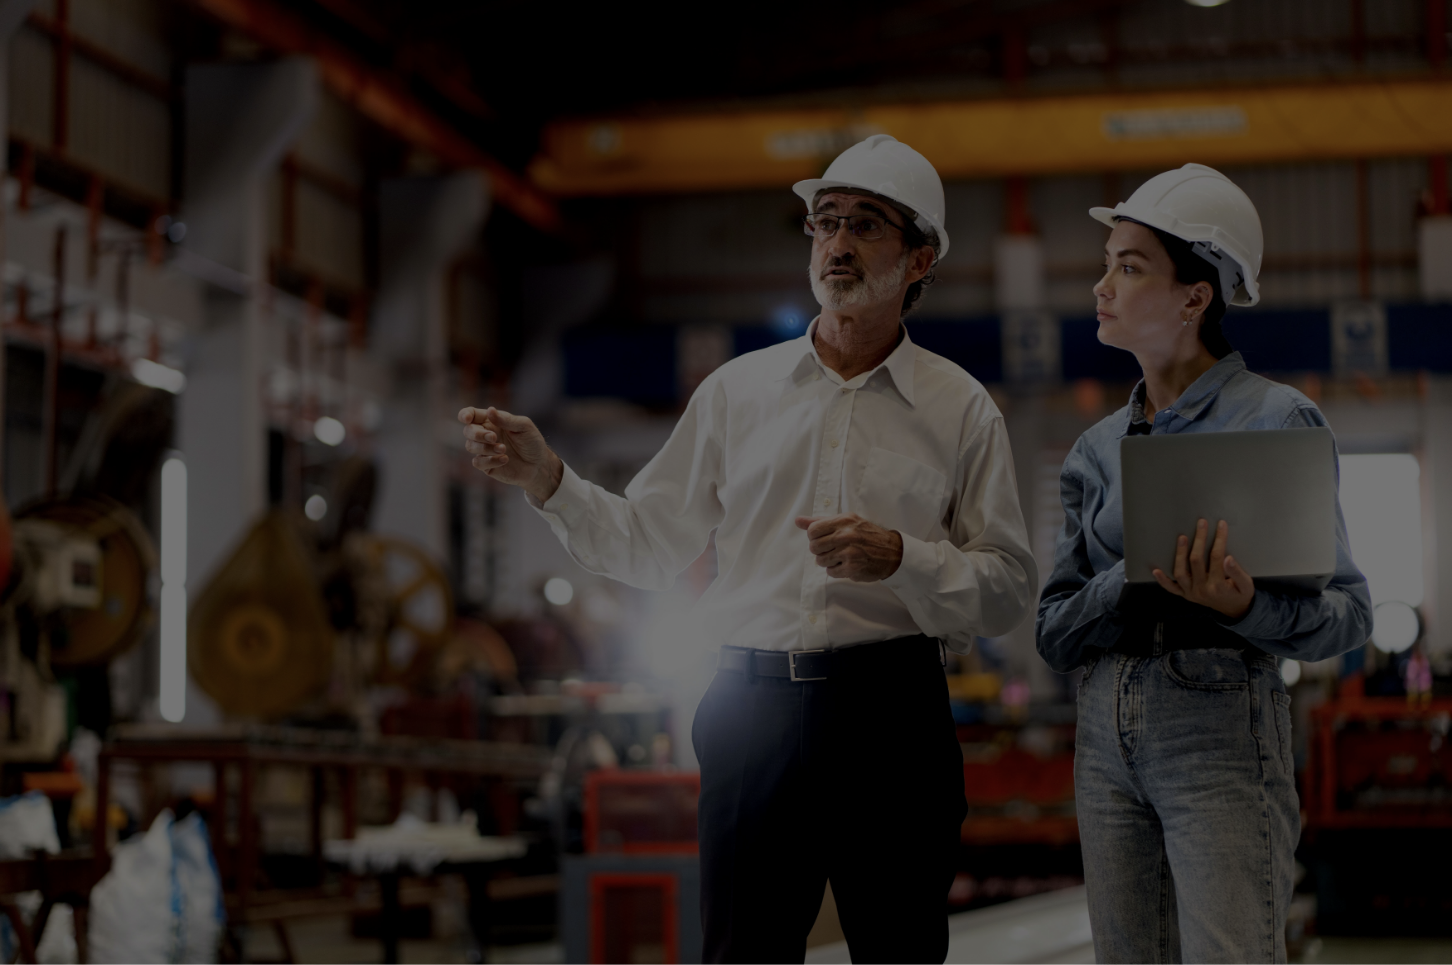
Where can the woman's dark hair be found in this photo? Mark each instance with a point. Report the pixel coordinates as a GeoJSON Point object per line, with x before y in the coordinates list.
{"type": "Point", "coordinates": [1190, 268]}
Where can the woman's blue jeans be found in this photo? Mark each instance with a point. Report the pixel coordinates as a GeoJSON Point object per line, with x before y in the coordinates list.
{"type": "Point", "coordinates": [1187, 806]}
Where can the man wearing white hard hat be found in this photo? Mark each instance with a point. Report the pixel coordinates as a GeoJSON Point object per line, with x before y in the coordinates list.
{"type": "Point", "coordinates": [1183, 778]}
{"type": "Point", "coordinates": [863, 498]}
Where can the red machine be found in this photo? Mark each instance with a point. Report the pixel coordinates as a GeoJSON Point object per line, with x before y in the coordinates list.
{"type": "Point", "coordinates": [1378, 762]}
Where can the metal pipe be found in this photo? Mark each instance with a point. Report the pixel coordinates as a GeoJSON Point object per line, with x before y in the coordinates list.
{"type": "Point", "coordinates": [51, 414]}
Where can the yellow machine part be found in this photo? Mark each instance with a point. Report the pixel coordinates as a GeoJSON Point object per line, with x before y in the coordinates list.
{"type": "Point", "coordinates": [258, 638]}
{"type": "Point", "coordinates": [420, 606]}
{"type": "Point", "coordinates": [127, 559]}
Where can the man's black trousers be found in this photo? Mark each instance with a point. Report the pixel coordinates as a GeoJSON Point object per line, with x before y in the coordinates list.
{"type": "Point", "coordinates": [857, 779]}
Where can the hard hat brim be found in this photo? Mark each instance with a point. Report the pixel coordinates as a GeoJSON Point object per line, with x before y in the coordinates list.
{"type": "Point", "coordinates": [807, 191]}
{"type": "Point", "coordinates": [1248, 293]}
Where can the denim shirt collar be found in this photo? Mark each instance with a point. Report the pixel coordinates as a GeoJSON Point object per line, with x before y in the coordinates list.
{"type": "Point", "coordinates": [1193, 400]}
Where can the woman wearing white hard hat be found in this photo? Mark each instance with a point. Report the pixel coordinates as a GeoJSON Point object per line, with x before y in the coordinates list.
{"type": "Point", "coordinates": [1183, 775]}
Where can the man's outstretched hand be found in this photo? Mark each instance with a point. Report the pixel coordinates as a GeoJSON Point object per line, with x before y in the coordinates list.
{"type": "Point", "coordinates": [511, 449]}
{"type": "Point", "coordinates": [851, 548]}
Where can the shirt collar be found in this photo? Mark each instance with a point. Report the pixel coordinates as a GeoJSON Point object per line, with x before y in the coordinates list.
{"type": "Point", "coordinates": [1194, 399]}
{"type": "Point", "coordinates": [901, 365]}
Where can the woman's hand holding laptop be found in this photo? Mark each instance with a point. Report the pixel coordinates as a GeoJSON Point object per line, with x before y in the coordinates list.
{"type": "Point", "coordinates": [1218, 582]}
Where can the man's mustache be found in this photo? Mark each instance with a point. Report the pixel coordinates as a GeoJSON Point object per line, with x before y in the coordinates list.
{"type": "Point", "coordinates": [842, 261]}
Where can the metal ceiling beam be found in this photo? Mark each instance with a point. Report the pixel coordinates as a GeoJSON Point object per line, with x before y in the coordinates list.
{"type": "Point", "coordinates": [1111, 131]}
{"type": "Point", "coordinates": [381, 98]}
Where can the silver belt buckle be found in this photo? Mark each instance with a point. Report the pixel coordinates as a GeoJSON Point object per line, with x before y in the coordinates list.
{"type": "Point", "coordinates": [792, 656]}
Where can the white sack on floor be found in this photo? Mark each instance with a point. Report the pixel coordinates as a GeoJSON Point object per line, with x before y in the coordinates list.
{"type": "Point", "coordinates": [161, 901]}
{"type": "Point", "coordinates": [27, 824]}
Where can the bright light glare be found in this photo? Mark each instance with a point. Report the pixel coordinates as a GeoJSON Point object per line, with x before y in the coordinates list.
{"type": "Point", "coordinates": [559, 591]}
{"type": "Point", "coordinates": [1382, 501]}
{"type": "Point", "coordinates": [315, 508]}
{"type": "Point", "coordinates": [1291, 672]}
{"type": "Point", "coordinates": [173, 683]}
{"type": "Point", "coordinates": [330, 431]}
{"type": "Point", "coordinates": [1394, 626]}
{"type": "Point", "coordinates": [158, 376]}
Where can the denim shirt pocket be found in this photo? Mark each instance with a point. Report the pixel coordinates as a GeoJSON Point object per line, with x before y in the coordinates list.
{"type": "Point", "coordinates": [1282, 704]}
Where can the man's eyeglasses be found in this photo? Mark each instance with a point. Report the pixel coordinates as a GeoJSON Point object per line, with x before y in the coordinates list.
{"type": "Point", "coordinates": [868, 227]}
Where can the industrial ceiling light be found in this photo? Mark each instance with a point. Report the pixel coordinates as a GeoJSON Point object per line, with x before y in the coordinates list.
{"type": "Point", "coordinates": [1206, 3]}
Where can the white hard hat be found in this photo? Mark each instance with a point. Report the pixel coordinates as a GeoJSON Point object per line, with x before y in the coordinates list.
{"type": "Point", "coordinates": [884, 165]}
{"type": "Point", "coordinates": [1202, 206]}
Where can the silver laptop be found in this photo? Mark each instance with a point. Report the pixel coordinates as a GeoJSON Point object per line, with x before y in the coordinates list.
{"type": "Point", "coordinates": [1275, 488]}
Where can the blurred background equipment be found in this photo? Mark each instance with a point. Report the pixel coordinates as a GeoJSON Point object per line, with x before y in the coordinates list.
{"type": "Point", "coordinates": [259, 638]}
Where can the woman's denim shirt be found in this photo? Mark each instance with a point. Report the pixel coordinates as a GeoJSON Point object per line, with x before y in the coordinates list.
{"type": "Point", "coordinates": [1080, 611]}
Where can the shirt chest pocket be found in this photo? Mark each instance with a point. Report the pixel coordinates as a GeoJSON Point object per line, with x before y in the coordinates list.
{"type": "Point", "coordinates": [900, 493]}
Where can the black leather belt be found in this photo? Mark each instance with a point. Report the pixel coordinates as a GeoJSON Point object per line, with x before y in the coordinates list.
{"type": "Point", "coordinates": [805, 666]}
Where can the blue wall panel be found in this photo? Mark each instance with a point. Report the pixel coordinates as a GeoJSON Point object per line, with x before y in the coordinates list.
{"type": "Point", "coordinates": [1296, 340]}
{"type": "Point", "coordinates": [974, 343]}
{"type": "Point", "coordinates": [1419, 337]}
{"type": "Point", "coordinates": [636, 364]}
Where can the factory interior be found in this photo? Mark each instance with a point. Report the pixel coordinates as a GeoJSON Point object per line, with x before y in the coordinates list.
{"type": "Point", "coordinates": [283, 678]}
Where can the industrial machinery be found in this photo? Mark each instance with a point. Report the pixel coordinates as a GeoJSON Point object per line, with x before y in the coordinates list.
{"type": "Point", "coordinates": [302, 609]}
{"type": "Point", "coordinates": [1378, 813]}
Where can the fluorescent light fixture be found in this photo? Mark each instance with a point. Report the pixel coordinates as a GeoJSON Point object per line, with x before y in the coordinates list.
{"type": "Point", "coordinates": [559, 591]}
{"type": "Point", "coordinates": [158, 376]}
{"type": "Point", "coordinates": [330, 431]}
{"type": "Point", "coordinates": [173, 683]}
{"type": "Point", "coordinates": [315, 508]}
{"type": "Point", "coordinates": [1206, 3]}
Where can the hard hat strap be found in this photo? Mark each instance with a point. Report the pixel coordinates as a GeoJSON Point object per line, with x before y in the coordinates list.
{"type": "Point", "coordinates": [1232, 275]}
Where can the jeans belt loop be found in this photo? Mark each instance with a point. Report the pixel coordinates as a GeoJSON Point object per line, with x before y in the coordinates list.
{"type": "Point", "coordinates": [1159, 639]}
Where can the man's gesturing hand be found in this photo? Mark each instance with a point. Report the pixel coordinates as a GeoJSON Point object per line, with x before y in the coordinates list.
{"type": "Point", "coordinates": [511, 449]}
{"type": "Point", "coordinates": [1218, 582]}
{"type": "Point", "coordinates": [851, 548]}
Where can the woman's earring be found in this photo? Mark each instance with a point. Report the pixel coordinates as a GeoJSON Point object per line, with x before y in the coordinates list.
{"type": "Point", "coordinates": [1185, 319]}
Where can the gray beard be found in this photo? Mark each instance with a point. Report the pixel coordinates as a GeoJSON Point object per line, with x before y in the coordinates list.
{"type": "Point", "coordinates": [848, 293]}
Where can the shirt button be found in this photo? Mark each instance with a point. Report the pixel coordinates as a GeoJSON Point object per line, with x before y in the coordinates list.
{"type": "Point", "coordinates": [845, 391]}
{"type": "Point", "coordinates": [826, 502]}
{"type": "Point", "coordinates": [834, 443]}
{"type": "Point", "coordinates": [812, 618]}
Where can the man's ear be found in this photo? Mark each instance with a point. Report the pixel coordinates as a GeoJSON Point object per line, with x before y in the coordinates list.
{"type": "Point", "coordinates": [921, 263]}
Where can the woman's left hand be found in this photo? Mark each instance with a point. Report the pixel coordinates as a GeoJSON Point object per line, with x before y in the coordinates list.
{"type": "Point", "coordinates": [1218, 582]}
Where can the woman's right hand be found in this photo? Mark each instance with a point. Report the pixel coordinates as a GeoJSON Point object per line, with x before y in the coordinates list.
{"type": "Point", "coordinates": [1217, 582]}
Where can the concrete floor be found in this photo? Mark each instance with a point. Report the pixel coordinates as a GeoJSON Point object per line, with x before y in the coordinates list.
{"type": "Point", "coordinates": [1047, 928]}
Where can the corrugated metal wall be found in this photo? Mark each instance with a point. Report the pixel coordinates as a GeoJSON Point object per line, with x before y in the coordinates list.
{"type": "Point", "coordinates": [119, 127]}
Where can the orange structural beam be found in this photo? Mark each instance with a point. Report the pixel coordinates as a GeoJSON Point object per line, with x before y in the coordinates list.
{"type": "Point", "coordinates": [1005, 136]}
{"type": "Point", "coordinates": [380, 97]}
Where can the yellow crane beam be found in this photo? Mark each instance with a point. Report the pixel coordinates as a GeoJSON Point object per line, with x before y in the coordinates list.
{"type": "Point", "coordinates": [1006, 136]}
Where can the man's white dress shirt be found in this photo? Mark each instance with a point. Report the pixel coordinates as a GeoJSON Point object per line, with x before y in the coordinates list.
{"type": "Point", "coordinates": [916, 445]}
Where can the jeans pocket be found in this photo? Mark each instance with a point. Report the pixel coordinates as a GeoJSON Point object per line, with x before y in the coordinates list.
{"type": "Point", "coordinates": [1282, 704]}
{"type": "Point", "coordinates": [1218, 669]}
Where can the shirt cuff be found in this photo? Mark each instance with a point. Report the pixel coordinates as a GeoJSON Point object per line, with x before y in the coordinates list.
{"type": "Point", "coordinates": [919, 566]}
{"type": "Point", "coordinates": [1112, 586]}
{"type": "Point", "coordinates": [567, 506]}
{"type": "Point", "coordinates": [1255, 621]}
